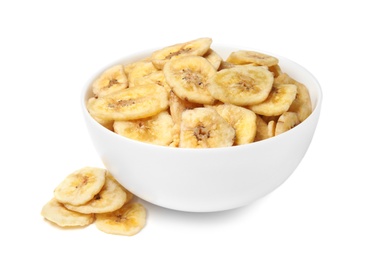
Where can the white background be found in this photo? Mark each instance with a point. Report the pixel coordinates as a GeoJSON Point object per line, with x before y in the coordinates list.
{"type": "Point", "coordinates": [50, 49]}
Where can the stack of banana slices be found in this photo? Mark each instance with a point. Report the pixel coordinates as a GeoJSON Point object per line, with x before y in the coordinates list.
{"type": "Point", "coordinates": [90, 195]}
{"type": "Point", "coordinates": [187, 96]}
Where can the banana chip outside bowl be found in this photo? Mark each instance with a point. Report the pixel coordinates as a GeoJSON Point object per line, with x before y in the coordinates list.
{"type": "Point", "coordinates": [206, 179]}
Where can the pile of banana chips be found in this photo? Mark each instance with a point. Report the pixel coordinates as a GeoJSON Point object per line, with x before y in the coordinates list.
{"type": "Point", "coordinates": [92, 195]}
{"type": "Point", "coordinates": [185, 95]}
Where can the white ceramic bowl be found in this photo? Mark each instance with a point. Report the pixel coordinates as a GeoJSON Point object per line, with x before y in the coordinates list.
{"type": "Point", "coordinates": [205, 180]}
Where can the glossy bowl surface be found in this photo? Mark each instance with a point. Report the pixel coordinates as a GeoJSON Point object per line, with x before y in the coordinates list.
{"type": "Point", "coordinates": [205, 180]}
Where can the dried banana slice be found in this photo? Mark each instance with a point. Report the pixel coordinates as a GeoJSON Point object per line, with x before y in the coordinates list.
{"type": "Point", "coordinates": [302, 103]}
{"type": "Point", "coordinates": [55, 212]}
{"type": "Point", "coordinates": [242, 120]}
{"type": "Point", "coordinates": [203, 127]}
{"type": "Point", "coordinates": [126, 221]}
{"type": "Point", "coordinates": [111, 197]}
{"type": "Point", "coordinates": [278, 101]}
{"type": "Point", "coordinates": [188, 76]}
{"type": "Point", "coordinates": [226, 65]}
{"type": "Point", "coordinates": [262, 131]}
{"type": "Point", "coordinates": [252, 57]}
{"type": "Point", "coordinates": [156, 77]}
{"type": "Point", "coordinates": [196, 47]}
{"type": "Point", "coordinates": [137, 70]}
{"type": "Point", "coordinates": [178, 105]}
{"type": "Point", "coordinates": [176, 108]}
{"type": "Point", "coordinates": [130, 104]}
{"type": "Point", "coordinates": [241, 85]}
{"type": "Point", "coordinates": [155, 130]}
{"type": "Point", "coordinates": [283, 78]}
{"type": "Point", "coordinates": [110, 81]}
{"type": "Point", "coordinates": [276, 70]}
{"type": "Point", "coordinates": [271, 126]}
{"type": "Point", "coordinates": [286, 121]}
{"type": "Point", "coordinates": [130, 195]}
{"type": "Point", "coordinates": [80, 186]}
{"type": "Point", "coordinates": [214, 58]}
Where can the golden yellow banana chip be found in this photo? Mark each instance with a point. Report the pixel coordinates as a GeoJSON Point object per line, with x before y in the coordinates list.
{"type": "Point", "coordinates": [80, 186]}
{"type": "Point", "coordinates": [302, 103]}
{"type": "Point", "coordinates": [252, 57]}
{"type": "Point", "coordinates": [156, 77]}
{"type": "Point", "coordinates": [111, 80]}
{"type": "Point", "coordinates": [262, 131]}
{"type": "Point", "coordinates": [286, 121]}
{"type": "Point", "coordinates": [241, 85]}
{"type": "Point", "coordinates": [242, 120]}
{"type": "Point", "coordinates": [225, 65]}
{"type": "Point", "coordinates": [271, 126]}
{"type": "Point", "coordinates": [127, 221]}
{"type": "Point", "coordinates": [197, 47]}
{"type": "Point", "coordinates": [112, 204]}
{"type": "Point", "coordinates": [155, 130]}
{"type": "Point", "coordinates": [276, 70]}
{"type": "Point", "coordinates": [138, 70]}
{"type": "Point", "coordinates": [203, 127]}
{"type": "Point", "coordinates": [55, 212]}
{"type": "Point", "coordinates": [130, 195]}
{"type": "Point", "coordinates": [111, 197]}
{"type": "Point", "coordinates": [279, 100]}
{"type": "Point", "coordinates": [214, 58]}
{"type": "Point", "coordinates": [188, 76]}
{"type": "Point", "coordinates": [178, 105]}
{"type": "Point", "coordinates": [283, 78]}
{"type": "Point", "coordinates": [130, 104]}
